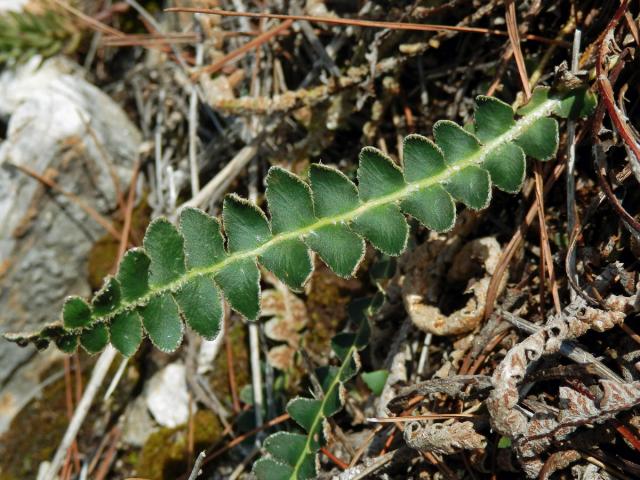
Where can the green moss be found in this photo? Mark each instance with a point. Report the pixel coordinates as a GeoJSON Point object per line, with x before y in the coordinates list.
{"type": "Point", "coordinates": [219, 375]}
{"type": "Point", "coordinates": [102, 260]}
{"type": "Point", "coordinates": [164, 456]}
{"type": "Point", "coordinates": [20, 452]}
{"type": "Point", "coordinates": [103, 255]}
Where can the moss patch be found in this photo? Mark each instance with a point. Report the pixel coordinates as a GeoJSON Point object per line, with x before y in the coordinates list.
{"type": "Point", "coordinates": [103, 255]}
{"type": "Point", "coordinates": [327, 308]}
{"type": "Point", "coordinates": [164, 456]}
{"type": "Point", "coordinates": [219, 375]}
{"type": "Point", "coordinates": [35, 433]}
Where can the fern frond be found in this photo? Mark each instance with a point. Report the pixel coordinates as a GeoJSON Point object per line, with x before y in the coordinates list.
{"type": "Point", "coordinates": [293, 455]}
{"type": "Point", "coordinates": [183, 273]}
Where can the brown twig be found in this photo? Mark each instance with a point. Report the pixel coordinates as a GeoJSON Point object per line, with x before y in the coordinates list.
{"type": "Point", "coordinates": [604, 85]}
{"type": "Point", "coordinates": [238, 52]}
{"type": "Point", "coordinates": [339, 463]}
{"type": "Point", "coordinates": [149, 39]}
{"type": "Point", "coordinates": [515, 242]}
{"type": "Point", "coordinates": [544, 240]}
{"type": "Point", "coordinates": [514, 38]}
{"type": "Point", "coordinates": [53, 185]}
{"type": "Point", "coordinates": [230, 368]}
{"type": "Point", "coordinates": [128, 213]}
{"type": "Point", "coordinates": [421, 27]}
{"type": "Point", "coordinates": [91, 22]}
{"type": "Point", "coordinates": [241, 438]}
{"type": "Point", "coordinates": [545, 254]}
{"type": "Point", "coordinates": [109, 456]}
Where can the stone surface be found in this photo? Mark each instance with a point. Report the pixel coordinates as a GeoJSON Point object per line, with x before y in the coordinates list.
{"type": "Point", "coordinates": [58, 125]}
{"type": "Point", "coordinates": [137, 424]}
{"type": "Point", "coordinates": [167, 397]}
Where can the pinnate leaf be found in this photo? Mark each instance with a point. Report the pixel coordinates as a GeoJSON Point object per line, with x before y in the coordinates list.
{"type": "Point", "coordinates": [493, 118]}
{"type": "Point", "coordinates": [270, 469]}
{"type": "Point", "coordinates": [576, 103]}
{"type": "Point", "coordinates": [164, 246]}
{"type": "Point", "coordinates": [240, 283]}
{"type": "Point", "coordinates": [506, 165]}
{"type": "Point", "coordinates": [107, 299]}
{"type": "Point", "coordinates": [422, 158]}
{"type": "Point", "coordinates": [186, 271]}
{"type": "Point", "coordinates": [245, 224]}
{"type": "Point", "coordinates": [471, 186]}
{"type": "Point", "coordinates": [376, 380]}
{"type": "Point", "coordinates": [161, 320]}
{"type": "Point", "coordinates": [133, 274]}
{"type": "Point", "coordinates": [304, 411]}
{"type": "Point", "coordinates": [339, 247]}
{"type": "Point", "coordinates": [432, 206]}
{"type": "Point", "coordinates": [378, 176]}
{"type": "Point", "coordinates": [385, 227]}
{"type": "Point", "coordinates": [289, 201]}
{"type": "Point", "coordinates": [76, 313]}
{"type": "Point", "coordinates": [126, 332]}
{"type": "Point", "coordinates": [298, 452]}
{"type": "Point", "coordinates": [95, 338]}
{"type": "Point", "coordinates": [203, 242]}
{"type": "Point", "coordinates": [67, 343]}
{"type": "Point", "coordinates": [201, 306]}
{"type": "Point", "coordinates": [289, 261]}
{"type": "Point", "coordinates": [455, 142]}
{"type": "Point", "coordinates": [286, 447]}
{"type": "Point", "coordinates": [540, 140]}
{"type": "Point", "coordinates": [333, 192]}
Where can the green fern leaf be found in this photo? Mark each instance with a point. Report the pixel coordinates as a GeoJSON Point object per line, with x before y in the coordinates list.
{"type": "Point", "coordinates": [94, 339]}
{"type": "Point", "coordinates": [126, 332]}
{"type": "Point", "coordinates": [181, 274]}
{"type": "Point", "coordinates": [75, 313]}
{"type": "Point", "coordinates": [292, 456]}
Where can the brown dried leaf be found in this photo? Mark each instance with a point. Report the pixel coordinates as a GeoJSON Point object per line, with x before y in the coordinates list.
{"type": "Point", "coordinates": [281, 357]}
{"type": "Point", "coordinates": [289, 316]}
{"type": "Point", "coordinates": [436, 263]}
{"type": "Point", "coordinates": [443, 439]}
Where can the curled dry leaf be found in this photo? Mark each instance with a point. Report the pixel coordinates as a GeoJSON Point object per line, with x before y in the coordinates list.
{"type": "Point", "coordinates": [458, 386]}
{"type": "Point", "coordinates": [289, 317]}
{"type": "Point", "coordinates": [443, 439]}
{"type": "Point", "coordinates": [558, 461]}
{"type": "Point", "coordinates": [444, 262]}
{"type": "Point", "coordinates": [532, 437]}
{"type": "Point", "coordinates": [281, 356]}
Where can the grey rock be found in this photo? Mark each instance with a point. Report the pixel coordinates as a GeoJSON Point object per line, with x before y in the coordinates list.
{"type": "Point", "coordinates": [58, 124]}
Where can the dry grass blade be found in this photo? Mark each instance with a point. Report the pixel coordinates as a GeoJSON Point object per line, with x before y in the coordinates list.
{"type": "Point", "coordinates": [546, 259]}
{"type": "Point", "coordinates": [411, 418]}
{"type": "Point", "coordinates": [514, 38]}
{"type": "Point", "coordinates": [149, 40]}
{"type": "Point", "coordinates": [90, 211]}
{"type": "Point", "coordinates": [516, 241]}
{"type": "Point", "coordinates": [255, 43]}
{"type": "Point", "coordinates": [91, 22]}
{"type": "Point", "coordinates": [420, 27]}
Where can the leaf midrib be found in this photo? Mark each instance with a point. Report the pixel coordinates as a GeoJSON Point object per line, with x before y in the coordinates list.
{"type": "Point", "coordinates": [543, 110]}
